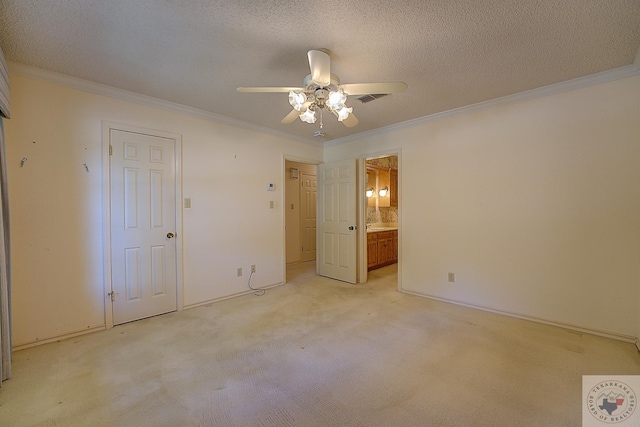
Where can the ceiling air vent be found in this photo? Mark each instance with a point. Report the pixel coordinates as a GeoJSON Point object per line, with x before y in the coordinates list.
{"type": "Point", "coordinates": [368, 98]}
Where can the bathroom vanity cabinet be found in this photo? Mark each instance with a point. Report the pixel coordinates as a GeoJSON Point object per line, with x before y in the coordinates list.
{"type": "Point", "coordinates": [382, 248]}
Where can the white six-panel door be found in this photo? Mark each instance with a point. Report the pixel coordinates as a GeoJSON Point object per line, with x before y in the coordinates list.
{"type": "Point", "coordinates": [337, 219]}
{"type": "Point", "coordinates": [143, 226]}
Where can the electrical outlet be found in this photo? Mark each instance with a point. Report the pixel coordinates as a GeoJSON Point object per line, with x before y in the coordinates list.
{"type": "Point", "coordinates": [239, 272]}
{"type": "Point", "coordinates": [253, 268]}
{"type": "Point", "coordinates": [452, 277]}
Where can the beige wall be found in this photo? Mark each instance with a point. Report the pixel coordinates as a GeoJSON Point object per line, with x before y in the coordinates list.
{"type": "Point", "coordinates": [57, 209]}
{"type": "Point", "coordinates": [535, 206]}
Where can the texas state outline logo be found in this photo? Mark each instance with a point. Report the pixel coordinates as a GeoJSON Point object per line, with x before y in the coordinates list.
{"type": "Point", "coordinates": [612, 400]}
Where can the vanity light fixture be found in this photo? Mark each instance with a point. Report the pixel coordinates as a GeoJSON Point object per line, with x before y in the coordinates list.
{"type": "Point", "coordinates": [369, 192]}
{"type": "Point", "coordinates": [383, 191]}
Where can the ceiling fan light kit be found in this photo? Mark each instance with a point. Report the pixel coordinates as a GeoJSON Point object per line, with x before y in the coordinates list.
{"type": "Point", "coordinates": [323, 89]}
{"type": "Point", "coordinates": [308, 103]}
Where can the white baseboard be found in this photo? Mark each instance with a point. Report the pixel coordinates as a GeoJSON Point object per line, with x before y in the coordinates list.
{"type": "Point", "coordinates": [607, 334]}
{"type": "Point", "coordinates": [102, 328]}
{"type": "Point", "coordinates": [58, 338]}
{"type": "Point", "coordinates": [239, 294]}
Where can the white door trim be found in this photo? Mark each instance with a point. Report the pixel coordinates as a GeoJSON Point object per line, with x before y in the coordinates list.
{"type": "Point", "coordinates": [362, 222]}
{"type": "Point", "coordinates": [305, 210]}
{"type": "Point", "coordinates": [107, 126]}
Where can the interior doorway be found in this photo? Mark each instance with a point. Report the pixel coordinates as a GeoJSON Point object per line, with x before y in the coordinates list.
{"type": "Point", "coordinates": [142, 199]}
{"type": "Point", "coordinates": [143, 226]}
{"type": "Point", "coordinates": [300, 197]}
{"type": "Point", "coordinates": [381, 215]}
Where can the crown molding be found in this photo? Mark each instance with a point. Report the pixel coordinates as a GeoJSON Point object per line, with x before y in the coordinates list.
{"type": "Point", "coordinates": [124, 95]}
{"type": "Point", "coordinates": [553, 89]}
{"type": "Point", "coordinates": [149, 101]}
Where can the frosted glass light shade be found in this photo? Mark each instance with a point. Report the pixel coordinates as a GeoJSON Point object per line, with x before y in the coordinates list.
{"type": "Point", "coordinates": [344, 113]}
{"type": "Point", "coordinates": [336, 100]}
{"type": "Point", "coordinates": [308, 116]}
{"type": "Point", "coordinates": [383, 191]}
{"type": "Point", "coordinates": [296, 99]}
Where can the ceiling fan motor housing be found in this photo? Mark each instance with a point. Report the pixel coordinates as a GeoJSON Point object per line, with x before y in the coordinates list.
{"type": "Point", "coordinates": [310, 85]}
{"type": "Point", "coordinates": [321, 96]}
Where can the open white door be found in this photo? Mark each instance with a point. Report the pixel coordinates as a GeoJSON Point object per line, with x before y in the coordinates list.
{"type": "Point", "coordinates": [337, 219]}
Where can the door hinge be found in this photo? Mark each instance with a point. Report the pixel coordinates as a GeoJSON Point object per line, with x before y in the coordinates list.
{"type": "Point", "coordinates": [111, 150]}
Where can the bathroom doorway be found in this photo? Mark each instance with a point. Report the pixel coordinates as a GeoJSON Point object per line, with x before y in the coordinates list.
{"type": "Point", "coordinates": [382, 216]}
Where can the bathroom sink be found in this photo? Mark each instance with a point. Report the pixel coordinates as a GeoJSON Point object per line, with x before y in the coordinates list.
{"type": "Point", "coordinates": [371, 229]}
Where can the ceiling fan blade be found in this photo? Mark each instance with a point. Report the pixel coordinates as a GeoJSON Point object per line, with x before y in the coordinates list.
{"type": "Point", "coordinates": [373, 88]}
{"type": "Point", "coordinates": [291, 117]}
{"type": "Point", "coordinates": [320, 65]}
{"type": "Point", "coordinates": [268, 89]}
{"type": "Point", "coordinates": [350, 121]}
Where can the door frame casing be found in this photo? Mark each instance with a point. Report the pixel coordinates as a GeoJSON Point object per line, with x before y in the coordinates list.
{"type": "Point", "coordinates": [107, 127]}
{"type": "Point", "coordinates": [302, 219]}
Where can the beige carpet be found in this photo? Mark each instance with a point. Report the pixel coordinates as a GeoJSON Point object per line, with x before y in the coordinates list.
{"type": "Point", "coordinates": [314, 352]}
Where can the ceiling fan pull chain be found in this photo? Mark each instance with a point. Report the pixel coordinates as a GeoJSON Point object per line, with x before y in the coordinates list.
{"type": "Point", "coordinates": [321, 118]}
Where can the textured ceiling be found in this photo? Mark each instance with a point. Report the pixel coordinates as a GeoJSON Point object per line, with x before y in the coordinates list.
{"type": "Point", "coordinates": [451, 53]}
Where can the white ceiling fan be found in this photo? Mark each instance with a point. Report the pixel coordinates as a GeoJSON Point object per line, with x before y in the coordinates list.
{"type": "Point", "coordinates": [322, 89]}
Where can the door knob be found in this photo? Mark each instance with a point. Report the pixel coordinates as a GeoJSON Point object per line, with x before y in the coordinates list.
{"type": "Point", "coordinates": [170, 235]}
{"type": "Point", "coordinates": [351, 227]}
